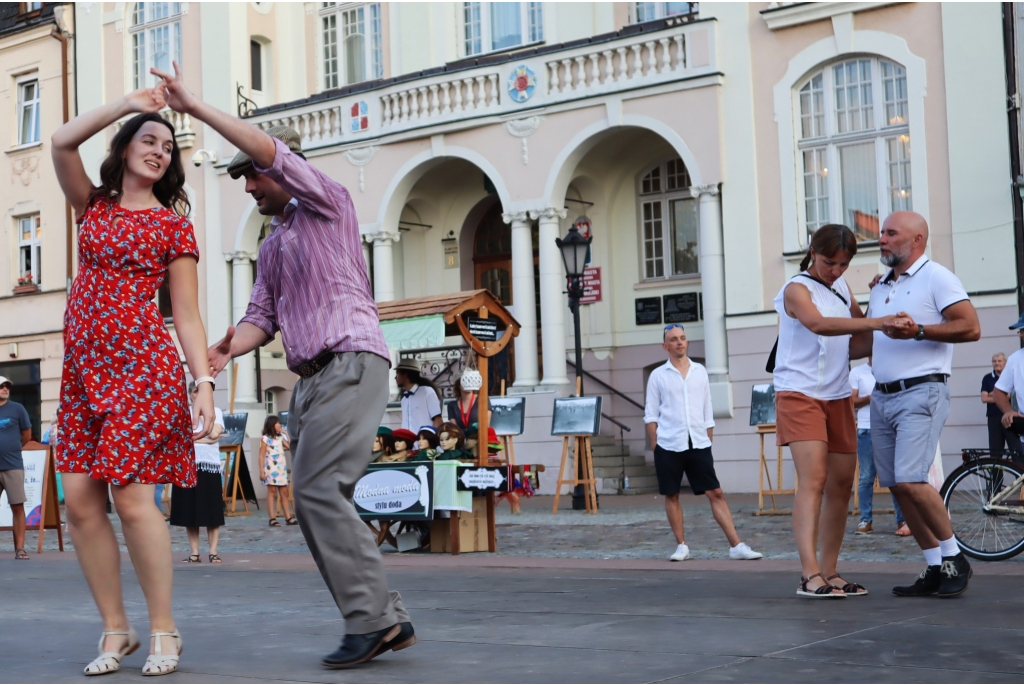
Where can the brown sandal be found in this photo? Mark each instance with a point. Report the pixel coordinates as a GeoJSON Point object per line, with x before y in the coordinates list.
{"type": "Point", "coordinates": [193, 559]}
{"type": "Point", "coordinates": [20, 554]}
{"type": "Point", "coordinates": [274, 523]}
{"type": "Point", "coordinates": [849, 589]}
{"type": "Point", "coordinates": [826, 591]}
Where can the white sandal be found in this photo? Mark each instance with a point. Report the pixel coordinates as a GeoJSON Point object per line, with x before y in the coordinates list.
{"type": "Point", "coordinates": [109, 662]}
{"type": "Point", "coordinates": [158, 663]}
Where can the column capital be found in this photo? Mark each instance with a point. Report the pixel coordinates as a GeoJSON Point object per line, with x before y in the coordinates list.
{"type": "Point", "coordinates": [705, 189]}
{"type": "Point", "coordinates": [381, 237]}
{"type": "Point", "coordinates": [549, 213]}
{"type": "Point", "coordinates": [512, 217]}
{"type": "Point", "coordinates": [240, 256]}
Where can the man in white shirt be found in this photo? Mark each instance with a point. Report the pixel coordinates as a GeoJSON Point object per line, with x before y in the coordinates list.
{"type": "Point", "coordinates": [1011, 381]}
{"type": "Point", "coordinates": [862, 383]}
{"type": "Point", "coordinates": [680, 424]}
{"type": "Point", "coordinates": [909, 406]}
{"type": "Point", "coordinates": [421, 405]}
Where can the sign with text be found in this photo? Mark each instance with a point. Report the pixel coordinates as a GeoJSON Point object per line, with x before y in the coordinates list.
{"type": "Point", "coordinates": [682, 307]}
{"type": "Point", "coordinates": [35, 470]}
{"type": "Point", "coordinates": [648, 310]}
{"type": "Point", "coordinates": [591, 285]}
{"type": "Point", "coordinates": [483, 329]}
{"type": "Point", "coordinates": [451, 254]}
{"type": "Point", "coordinates": [396, 492]}
{"type": "Point", "coordinates": [482, 478]}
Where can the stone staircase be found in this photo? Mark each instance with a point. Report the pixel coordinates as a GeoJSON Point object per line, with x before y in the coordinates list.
{"type": "Point", "coordinates": [611, 458]}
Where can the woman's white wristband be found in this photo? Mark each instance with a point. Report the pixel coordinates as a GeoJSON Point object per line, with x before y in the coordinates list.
{"type": "Point", "coordinates": [207, 379]}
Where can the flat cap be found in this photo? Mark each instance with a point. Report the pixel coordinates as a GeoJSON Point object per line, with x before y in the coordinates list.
{"type": "Point", "coordinates": [285, 134]}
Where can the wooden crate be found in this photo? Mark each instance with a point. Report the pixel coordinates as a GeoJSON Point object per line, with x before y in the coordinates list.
{"type": "Point", "coordinates": [472, 530]}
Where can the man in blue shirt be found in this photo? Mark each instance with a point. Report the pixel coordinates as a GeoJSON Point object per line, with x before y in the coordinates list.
{"type": "Point", "coordinates": [15, 431]}
{"type": "Point", "coordinates": [997, 435]}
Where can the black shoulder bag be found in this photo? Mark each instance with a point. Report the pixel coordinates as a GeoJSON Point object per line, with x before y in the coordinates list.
{"type": "Point", "coordinates": [770, 366]}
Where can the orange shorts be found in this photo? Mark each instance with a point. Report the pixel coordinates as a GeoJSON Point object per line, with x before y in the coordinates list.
{"type": "Point", "coordinates": [799, 417]}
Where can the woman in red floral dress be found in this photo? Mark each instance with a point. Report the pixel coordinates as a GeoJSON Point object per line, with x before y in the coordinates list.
{"type": "Point", "coordinates": [123, 413]}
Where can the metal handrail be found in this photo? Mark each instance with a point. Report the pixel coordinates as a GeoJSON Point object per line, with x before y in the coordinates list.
{"type": "Point", "coordinates": [621, 426]}
{"type": "Point", "coordinates": [617, 392]}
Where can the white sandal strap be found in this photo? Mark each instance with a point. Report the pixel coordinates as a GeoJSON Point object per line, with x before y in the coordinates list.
{"type": "Point", "coordinates": [108, 662]}
{"type": "Point", "coordinates": [158, 663]}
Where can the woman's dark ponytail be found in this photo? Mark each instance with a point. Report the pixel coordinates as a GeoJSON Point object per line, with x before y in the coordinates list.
{"type": "Point", "coordinates": [828, 241]}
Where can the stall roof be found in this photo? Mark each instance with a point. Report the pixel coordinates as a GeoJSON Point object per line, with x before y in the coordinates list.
{"type": "Point", "coordinates": [421, 322]}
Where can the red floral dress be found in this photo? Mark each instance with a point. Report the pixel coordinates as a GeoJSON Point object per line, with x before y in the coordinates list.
{"type": "Point", "coordinates": [124, 416]}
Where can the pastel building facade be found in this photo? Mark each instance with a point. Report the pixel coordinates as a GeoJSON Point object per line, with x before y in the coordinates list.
{"type": "Point", "coordinates": [701, 142]}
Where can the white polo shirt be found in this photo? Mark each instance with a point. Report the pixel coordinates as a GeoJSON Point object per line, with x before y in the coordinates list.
{"type": "Point", "coordinates": [1011, 380]}
{"type": "Point", "coordinates": [862, 380]}
{"type": "Point", "coordinates": [680, 406]}
{"type": "Point", "coordinates": [419, 407]}
{"type": "Point", "coordinates": [923, 292]}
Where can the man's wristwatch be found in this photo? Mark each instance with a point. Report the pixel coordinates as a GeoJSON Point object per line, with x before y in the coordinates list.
{"type": "Point", "coordinates": [920, 332]}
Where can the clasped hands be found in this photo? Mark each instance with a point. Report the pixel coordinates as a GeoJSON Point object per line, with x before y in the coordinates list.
{"type": "Point", "coordinates": [900, 327]}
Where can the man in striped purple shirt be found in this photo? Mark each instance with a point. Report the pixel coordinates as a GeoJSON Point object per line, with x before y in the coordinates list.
{"type": "Point", "coordinates": [312, 286]}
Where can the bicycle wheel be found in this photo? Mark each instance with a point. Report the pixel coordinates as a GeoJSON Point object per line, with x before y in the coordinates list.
{"type": "Point", "coordinates": [982, 533]}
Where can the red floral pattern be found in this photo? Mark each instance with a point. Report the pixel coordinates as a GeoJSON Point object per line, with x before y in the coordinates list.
{"type": "Point", "coordinates": [124, 416]}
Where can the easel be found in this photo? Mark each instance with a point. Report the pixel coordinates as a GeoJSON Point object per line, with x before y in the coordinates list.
{"type": "Point", "coordinates": [50, 515]}
{"type": "Point", "coordinates": [506, 440]}
{"type": "Point", "coordinates": [231, 481]}
{"type": "Point", "coordinates": [581, 450]}
{"type": "Point", "coordinates": [763, 474]}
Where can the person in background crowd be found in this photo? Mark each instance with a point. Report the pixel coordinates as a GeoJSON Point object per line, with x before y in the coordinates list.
{"type": "Point", "coordinates": [274, 469]}
{"type": "Point", "coordinates": [821, 327]}
{"type": "Point", "coordinates": [421, 402]}
{"type": "Point", "coordinates": [15, 431]}
{"type": "Point", "coordinates": [998, 435]}
{"type": "Point", "coordinates": [863, 383]}
{"type": "Point", "coordinates": [203, 505]}
{"type": "Point", "coordinates": [1010, 386]}
{"type": "Point", "coordinates": [463, 412]}
{"type": "Point", "coordinates": [124, 415]}
{"type": "Point", "coordinates": [909, 406]}
{"type": "Point", "coordinates": [680, 426]}
{"type": "Point", "coordinates": [342, 361]}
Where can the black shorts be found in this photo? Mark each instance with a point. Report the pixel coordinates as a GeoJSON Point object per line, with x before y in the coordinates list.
{"type": "Point", "coordinates": [697, 464]}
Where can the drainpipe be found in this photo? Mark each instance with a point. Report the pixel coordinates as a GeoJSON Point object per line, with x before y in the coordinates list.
{"type": "Point", "coordinates": [61, 34]}
{"type": "Point", "coordinates": [1013, 101]}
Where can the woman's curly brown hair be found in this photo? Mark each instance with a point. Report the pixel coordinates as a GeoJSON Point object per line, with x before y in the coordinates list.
{"type": "Point", "coordinates": [169, 190]}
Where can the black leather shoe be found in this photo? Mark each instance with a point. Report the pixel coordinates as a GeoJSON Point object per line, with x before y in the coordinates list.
{"type": "Point", "coordinates": [955, 574]}
{"type": "Point", "coordinates": [406, 638]}
{"type": "Point", "coordinates": [358, 649]}
{"type": "Point", "coordinates": [926, 584]}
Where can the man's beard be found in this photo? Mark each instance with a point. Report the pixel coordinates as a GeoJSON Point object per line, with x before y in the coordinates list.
{"type": "Point", "coordinates": [894, 258]}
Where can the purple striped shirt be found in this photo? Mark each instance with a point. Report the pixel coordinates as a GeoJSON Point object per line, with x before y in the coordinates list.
{"type": "Point", "coordinates": [311, 281]}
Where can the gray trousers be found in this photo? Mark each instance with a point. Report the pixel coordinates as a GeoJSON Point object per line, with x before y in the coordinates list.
{"type": "Point", "coordinates": [332, 421]}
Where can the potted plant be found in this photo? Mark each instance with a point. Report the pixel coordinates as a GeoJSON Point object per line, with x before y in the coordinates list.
{"type": "Point", "coordinates": [26, 284]}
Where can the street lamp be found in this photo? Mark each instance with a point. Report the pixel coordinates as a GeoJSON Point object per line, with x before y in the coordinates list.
{"type": "Point", "coordinates": [574, 248]}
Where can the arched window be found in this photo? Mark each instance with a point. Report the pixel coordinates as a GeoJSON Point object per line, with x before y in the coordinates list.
{"type": "Point", "coordinates": [668, 223]}
{"type": "Point", "coordinates": [156, 39]}
{"type": "Point", "coordinates": [854, 145]}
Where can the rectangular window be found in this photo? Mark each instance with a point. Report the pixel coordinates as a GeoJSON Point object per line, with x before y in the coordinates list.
{"type": "Point", "coordinates": [354, 31]}
{"type": "Point", "coordinates": [685, 253]}
{"type": "Point", "coordinates": [30, 233]}
{"type": "Point", "coordinates": [894, 92]}
{"type": "Point", "coordinates": [816, 207]}
{"type": "Point", "coordinates": [859, 183]}
{"type": "Point", "coordinates": [156, 40]}
{"type": "Point", "coordinates": [648, 11]}
{"type": "Point", "coordinates": [645, 11]}
{"type": "Point", "coordinates": [376, 42]}
{"type": "Point", "coordinates": [473, 33]}
{"type": "Point", "coordinates": [654, 240]}
{"type": "Point", "coordinates": [490, 26]}
{"type": "Point", "coordinates": [28, 112]}
{"type": "Point", "coordinates": [898, 162]}
{"type": "Point", "coordinates": [268, 402]}
{"type": "Point", "coordinates": [536, 21]}
{"type": "Point", "coordinates": [854, 111]}
{"type": "Point", "coordinates": [506, 25]}
{"type": "Point", "coordinates": [330, 35]}
{"type": "Point", "coordinates": [812, 108]}
{"type": "Point", "coordinates": [256, 64]}
{"type": "Point", "coordinates": [678, 177]}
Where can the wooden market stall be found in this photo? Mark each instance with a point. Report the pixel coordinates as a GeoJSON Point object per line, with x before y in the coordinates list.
{"type": "Point", "coordinates": [488, 328]}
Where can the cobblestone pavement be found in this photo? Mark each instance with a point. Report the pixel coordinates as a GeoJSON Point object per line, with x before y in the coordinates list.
{"type": "Point", "coordinates": [626, 528]}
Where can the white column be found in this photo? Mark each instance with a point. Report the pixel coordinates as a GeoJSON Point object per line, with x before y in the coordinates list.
{"type": "Point", "coordinates": [366, 253]}
{"type": "Point", "coordinates": [712, 282]}
{"type": "Point", "coordinates": [383, 265]}
{"type": "Point", "coordinates": [241, 289]}
{"type": "Point", "coordinates": [553, 302]}
{"type": "Point", "coordinates": [524, 297]}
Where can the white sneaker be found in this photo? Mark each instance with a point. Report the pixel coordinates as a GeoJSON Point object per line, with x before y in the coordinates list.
{"type": "Point", "coordinates": [682, 553]}
{"type": "Point", "coordinates": [743, 551]}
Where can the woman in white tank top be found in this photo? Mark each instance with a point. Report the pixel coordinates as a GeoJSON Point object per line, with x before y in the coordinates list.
{"type": "Point", "coordinates": [820, 323]}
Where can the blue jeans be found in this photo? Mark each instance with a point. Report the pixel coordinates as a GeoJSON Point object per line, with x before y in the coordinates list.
{"type": "Point", "coordinates": [866, 487]}
{"type": "Point", "coordinates": [158, 494]}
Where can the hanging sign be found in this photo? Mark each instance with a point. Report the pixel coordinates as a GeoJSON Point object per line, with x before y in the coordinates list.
{"type": "Point", "coordinates": [591, 285]}
{"type": "Point", "coordinates": [482, 478]}
{"type": "Point", "coordinates": [396, 492]}
{"type": "Point", "coordinates": [485, 330]}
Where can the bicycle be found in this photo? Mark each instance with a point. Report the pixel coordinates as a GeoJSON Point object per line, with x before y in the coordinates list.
{"type": "Point", "coordinates": [986, 513]}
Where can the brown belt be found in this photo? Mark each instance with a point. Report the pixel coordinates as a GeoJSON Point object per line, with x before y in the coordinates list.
{"type": "Point", "coordinates": [315, 366]}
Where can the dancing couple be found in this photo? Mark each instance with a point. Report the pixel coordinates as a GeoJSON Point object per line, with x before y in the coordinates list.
{"type": "Point", "coordinates": [124, 417]}
{"type": "Point", "coordinates": [915, 314]}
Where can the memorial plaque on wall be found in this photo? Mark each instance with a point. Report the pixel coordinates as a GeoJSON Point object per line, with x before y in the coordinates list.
{"type": "Point", "coordinates": [648, 310]}
{"type": "Point", "coordinates": [682, 307]}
